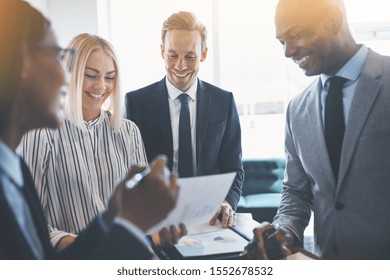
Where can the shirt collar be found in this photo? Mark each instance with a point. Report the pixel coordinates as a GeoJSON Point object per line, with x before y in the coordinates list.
{"type": "Point", "coordinates": [174, 92]}
{"type": "Point", "coordinates": [10, 164]}
{"type": "Point", "coordinates": [352, 69]}
{"type": "Point", "coordinates": [95, 121]}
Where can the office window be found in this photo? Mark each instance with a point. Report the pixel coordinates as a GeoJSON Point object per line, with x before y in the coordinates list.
{"type": "Point", "coordinates": [253, 66]}
{"type": "Point", "coordinates": [135, 31]}
{"type": "Point", "coordinates": [244, 57]}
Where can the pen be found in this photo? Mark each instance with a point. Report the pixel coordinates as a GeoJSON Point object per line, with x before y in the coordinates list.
{"type": "Point", "coordinates": [134, 181]}
{"type": "Point", "coordinates": [270, 233]}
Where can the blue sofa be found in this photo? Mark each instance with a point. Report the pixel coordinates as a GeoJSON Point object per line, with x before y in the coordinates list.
{"type": "Point", "coordinates": [262, 187]}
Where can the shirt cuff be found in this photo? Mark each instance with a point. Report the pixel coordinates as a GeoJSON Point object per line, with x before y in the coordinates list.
{"type": "Point", "coordinates": [102, 224]}
{"type": "Point", "coordinates": [136, 231]}
{"type": "Point", "coordinates": [57, 235]}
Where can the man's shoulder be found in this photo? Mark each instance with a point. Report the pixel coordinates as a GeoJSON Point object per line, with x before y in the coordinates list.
{"type": "Point", "coordinates": [212, 89]}
{"type": "Point", "coordinates": [375, 55]}
{"type": "Point", "coordinates": [312, 87]}
{"type": "Point", "coordinates": [300, 99]}
{"type": "Point", "coordinates": [149, 89]}
{"type": "Point", "coordinates": [375, 60]}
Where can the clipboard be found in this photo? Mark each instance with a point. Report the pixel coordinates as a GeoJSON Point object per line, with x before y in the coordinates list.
{"type": "Point", "coordinates": [206, 241]}
{"type": "Point", "coordinates": [209, 243]}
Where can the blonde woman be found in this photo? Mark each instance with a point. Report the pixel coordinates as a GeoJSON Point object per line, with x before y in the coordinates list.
{"type": "Point", "coordinates": [76, 167]}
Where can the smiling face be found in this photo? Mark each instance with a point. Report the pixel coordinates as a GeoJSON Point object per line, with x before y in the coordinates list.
{"type": "Point", "coordinates": [182, 54]}
{"type": "Point", "coordinates": [99, 82]}
{"type": "Point", "coordinates": [305, 32]}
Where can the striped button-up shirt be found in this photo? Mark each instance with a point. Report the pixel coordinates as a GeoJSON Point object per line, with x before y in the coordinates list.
{"type": "Point", "coordinates": [75, 170]}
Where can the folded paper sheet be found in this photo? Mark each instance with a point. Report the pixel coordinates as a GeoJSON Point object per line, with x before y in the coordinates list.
{"type": "Point", "coordinates": [199, 199]}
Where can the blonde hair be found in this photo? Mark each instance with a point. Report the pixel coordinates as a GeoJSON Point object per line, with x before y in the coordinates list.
{"type": "Point", "coordinates": [84, 44]}
{"type": "Point", "coordinates": [184, 21]}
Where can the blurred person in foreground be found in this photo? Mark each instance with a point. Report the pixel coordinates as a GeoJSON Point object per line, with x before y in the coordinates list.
{"type": "Point", "coordinates": [31, 77]}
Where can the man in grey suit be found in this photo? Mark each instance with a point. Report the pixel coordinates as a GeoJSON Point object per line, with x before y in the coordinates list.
{"type": "Point", "coordinates": [348, 193]}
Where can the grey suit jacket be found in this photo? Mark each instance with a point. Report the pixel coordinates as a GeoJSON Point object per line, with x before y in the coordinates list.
{"type": "Point", "coordinates": [351, 217]}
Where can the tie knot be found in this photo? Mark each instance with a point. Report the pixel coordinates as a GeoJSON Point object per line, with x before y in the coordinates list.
{"type": "Point", "coordinates": [184, 98]}
{"type": "Point", "coordinates": [336, 82]}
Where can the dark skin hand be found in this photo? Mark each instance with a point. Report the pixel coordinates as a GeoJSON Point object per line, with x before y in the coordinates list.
{"type": "Point", "coordinates": [165, 238]}
{"type": "Point", "coordinates": [149, 202]}
{"type": "Point", "coordinates": [133, 204]}
{"type": "Point", "coordinates": [169, 236]}
{"type": "Point", "coordinates": [269, 242]}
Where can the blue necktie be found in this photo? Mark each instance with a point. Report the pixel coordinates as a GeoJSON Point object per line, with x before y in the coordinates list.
{"type": "Point", "coordinates": [334, 122]}
{"type": "Point", "coordinates": [185, 146]}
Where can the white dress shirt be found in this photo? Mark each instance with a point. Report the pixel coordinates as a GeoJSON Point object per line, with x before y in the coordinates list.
{"type": "Point", "coordinates": [174, 111]}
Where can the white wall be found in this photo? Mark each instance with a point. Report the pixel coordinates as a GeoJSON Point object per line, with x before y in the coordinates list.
{"type": "Point", "coordinates": [40, 5]}
{"type": "Point", "coordinates": [69, 17]}
{"type": "Point", "coordinates": [136, 36]}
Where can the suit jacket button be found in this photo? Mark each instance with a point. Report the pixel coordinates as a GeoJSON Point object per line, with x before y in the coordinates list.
{"type": "Point", "coordinates": [339, 206]}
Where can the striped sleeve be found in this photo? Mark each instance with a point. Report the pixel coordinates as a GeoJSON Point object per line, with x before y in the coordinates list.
{"type": "Point", "coordinates": [133, 140]}
{"type": "Point", "coordinates": [139, 149]}
{"type": "Point", "coordinates": [35, 149]}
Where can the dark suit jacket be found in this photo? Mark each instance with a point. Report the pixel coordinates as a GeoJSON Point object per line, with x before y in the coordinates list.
{"type": "Point", "coordinates": [92, 243]}
{"type": "Point", "coordinates": [218, 132]}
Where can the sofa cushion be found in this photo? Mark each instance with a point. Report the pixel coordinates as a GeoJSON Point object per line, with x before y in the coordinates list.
{"type": "Point", "coordinates": [263, 207]}
{"type": "Point", "coordinates": [262, 187]}
{"type": "Point", "coordinates": [263, 200]}
{"type": "Point", "coordinates": [263, 176]}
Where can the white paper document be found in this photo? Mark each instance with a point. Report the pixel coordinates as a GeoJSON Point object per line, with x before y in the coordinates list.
{"type": "Point", "coordinates": [206, 240]}
{"type": "Point", "coordinates": [199, 199]}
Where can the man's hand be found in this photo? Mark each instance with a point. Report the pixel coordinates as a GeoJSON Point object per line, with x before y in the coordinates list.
{"type": "Point", "coordinates": [269, 243]}
{"type": "Point", "coordinates": [169, 236]}
{"type": "Point", "coordinates": [228, 215]}
{"type": "Point", "coordinates": [114, 205]}
{"type": "Point", "coordinates": [149, 202]}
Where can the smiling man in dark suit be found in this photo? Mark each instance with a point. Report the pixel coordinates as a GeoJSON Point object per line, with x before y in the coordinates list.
{"type": "Point", "coordinates": [212, 141]}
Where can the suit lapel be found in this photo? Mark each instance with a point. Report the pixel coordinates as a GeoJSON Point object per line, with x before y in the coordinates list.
{"type": "Point", "coordinates": [34, 205]}
{"type": "Point", "coordinates": [202, 117]}
{"type": "Point", "coordinates": [160, 109]}
{"type": "Point", "coordinates": [13, 241]}
{"type": "Point", "coordinates": [313, 108]}
{"type": "Point", "coordinates": [19, 247]}
{"type": "Point", "coordinates": [366, 93]}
